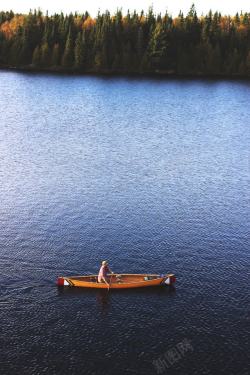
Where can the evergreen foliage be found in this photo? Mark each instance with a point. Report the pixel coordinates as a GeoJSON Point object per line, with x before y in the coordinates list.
{"type": "Point", "coordinates": [133, 43]}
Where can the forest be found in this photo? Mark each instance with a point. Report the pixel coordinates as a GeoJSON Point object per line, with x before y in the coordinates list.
{"type": "Point", "coordinates": [144, 43]}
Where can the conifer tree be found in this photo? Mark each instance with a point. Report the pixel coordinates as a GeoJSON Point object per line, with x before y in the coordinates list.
{"type": "Point", "coordinates": [248, 64]}
{"type": "Point", "coordinates": [55, 58]}
{"type": "Point", "coordinates": [45, 55]}
{"type": "Point", "coordinates": [68, 55]}
{"type": "Point", "coordinates": [36, 57]}
{"type": "Point", "coordinates": [79, 51]}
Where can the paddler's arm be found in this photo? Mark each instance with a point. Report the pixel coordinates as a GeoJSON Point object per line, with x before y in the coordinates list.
{"type": "Point", "coordinates": [110, 271]}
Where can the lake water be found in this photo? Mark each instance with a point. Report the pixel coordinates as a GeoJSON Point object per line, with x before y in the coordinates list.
{"type": "Point", "coordinates": [151, 175]}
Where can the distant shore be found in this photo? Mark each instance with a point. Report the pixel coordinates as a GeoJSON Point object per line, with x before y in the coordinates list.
{"type": "Point", "coordinates": [137, 44]}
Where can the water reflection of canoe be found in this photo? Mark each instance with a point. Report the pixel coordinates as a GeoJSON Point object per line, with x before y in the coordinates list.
{"type": "Point", "coordinates": [118, 281]}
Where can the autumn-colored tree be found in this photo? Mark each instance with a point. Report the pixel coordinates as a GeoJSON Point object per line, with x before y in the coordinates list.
{"type": "Point", "coordinates": [88, 23]}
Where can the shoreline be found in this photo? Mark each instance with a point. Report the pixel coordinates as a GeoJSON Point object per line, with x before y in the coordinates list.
{"type": "Point", "coordinates": [120, 74]}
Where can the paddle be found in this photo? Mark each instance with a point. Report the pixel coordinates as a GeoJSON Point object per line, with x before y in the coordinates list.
{"type": "Point", "coordinates": [110, 280]}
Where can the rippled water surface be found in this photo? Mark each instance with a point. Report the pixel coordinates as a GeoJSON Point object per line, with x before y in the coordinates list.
{"type": "Point", "coordinates": [151, 175]}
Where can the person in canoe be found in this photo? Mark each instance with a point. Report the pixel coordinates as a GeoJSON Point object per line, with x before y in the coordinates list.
{"type": "Point", "coordinates": [103, 273]}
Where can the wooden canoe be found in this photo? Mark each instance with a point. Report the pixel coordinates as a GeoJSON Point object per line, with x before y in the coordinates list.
{"type": "Point", "coordinates": [117, 281]}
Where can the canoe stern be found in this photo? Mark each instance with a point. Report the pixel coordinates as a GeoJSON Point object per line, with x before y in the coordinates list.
{"type": "Point", "coordinates": [169, 279]}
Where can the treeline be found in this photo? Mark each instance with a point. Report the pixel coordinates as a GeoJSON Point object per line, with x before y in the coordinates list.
{"type": "Point", "coordinates": [133, 43]}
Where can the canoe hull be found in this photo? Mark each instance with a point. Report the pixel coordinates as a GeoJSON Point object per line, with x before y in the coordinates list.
{"type": "Point", "coordinates": [121, 281]}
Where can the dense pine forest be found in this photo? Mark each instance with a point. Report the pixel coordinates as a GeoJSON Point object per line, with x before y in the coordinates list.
{"type": "Point", "coordinates": [143, 43]}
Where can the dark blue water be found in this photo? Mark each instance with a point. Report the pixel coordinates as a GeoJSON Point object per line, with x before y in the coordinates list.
{"type": "Point", "coordinates": [152, 176]}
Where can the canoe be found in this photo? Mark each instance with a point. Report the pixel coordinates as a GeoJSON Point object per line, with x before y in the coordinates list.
{"type": "Point", "coordinates": [118, 281]}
